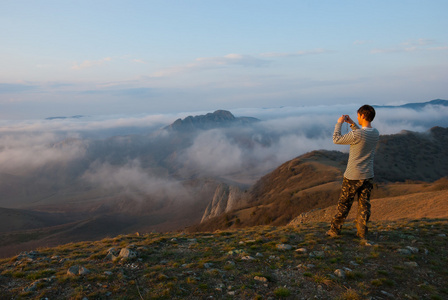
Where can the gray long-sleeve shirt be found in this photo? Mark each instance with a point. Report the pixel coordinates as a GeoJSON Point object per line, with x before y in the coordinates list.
{"type": "Point", "coordinates": [362, 143]}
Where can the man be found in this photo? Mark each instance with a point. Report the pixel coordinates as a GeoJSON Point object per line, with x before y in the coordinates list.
{"type": "Point", "coordinates": [358, 176]}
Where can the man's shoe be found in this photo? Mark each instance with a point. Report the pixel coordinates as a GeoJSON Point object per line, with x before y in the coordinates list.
{"type": "Point", "coordinates": [332, 233]}
{"type": "Point", "coordinates": [365, 242]}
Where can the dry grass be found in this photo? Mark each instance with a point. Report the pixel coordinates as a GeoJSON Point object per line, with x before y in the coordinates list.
{"type": "Point", "coordinates": [244, 264]}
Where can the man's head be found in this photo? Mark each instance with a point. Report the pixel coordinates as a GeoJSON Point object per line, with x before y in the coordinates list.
{"type": "Point", "coordinates": [367, 112]}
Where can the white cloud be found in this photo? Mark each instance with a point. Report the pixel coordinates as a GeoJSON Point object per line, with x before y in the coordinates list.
{"type": "Point", "coordinates": [140, 61]}
{"type": "Point", "coordinates": [298, 53]}
{"type": "Point", "coordinates": [411, 46]}
{"type": "Point", "coordinates": [26, 151]}
{"type": "Point", "coordinates": [90, 63]}
{"type": "Point", "coordinates": [206, 63]}
{"type": "Point", "coordinates": [419, 42]}
{"type": "Point", "coordinates": [131, 179]}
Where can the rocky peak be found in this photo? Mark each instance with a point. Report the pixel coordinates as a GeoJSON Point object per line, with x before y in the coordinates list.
{"type": "Point", "coordinates": [217, 119]}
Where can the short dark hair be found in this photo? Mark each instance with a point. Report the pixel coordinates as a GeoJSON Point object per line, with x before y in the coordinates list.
{"type": "Point", "coordinates": [368, 112]}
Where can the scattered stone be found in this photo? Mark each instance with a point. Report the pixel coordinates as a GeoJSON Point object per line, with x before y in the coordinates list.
{"type": "Point", "coordinates": [247, 257]}
{"type": "Point", "coordinates": [284, 247]}
{"type": "Point", "coordinates": [127, 253]}
{"type": "Point", "coordinates": [412, 264]}
{"type": "Point", "coordinates": [302, 250]}
{"type": "Point", "coordinates": [412, 249]}
{"type": "Point", "coordinates": [77, 271]}
{"type": "Point", "coordinates": [442, 235]}
{"type": "Point", "coordinates": [308, 266]}
{"type": "Point", "coordinates": [340, 273]}
{"type": "Point", "coordinates": [404, 251]}
{"type": "Point", "coordinates": [235, 252]}
{"type": "Point", "coordinates": [261, 278]}
{"type": "Point", "coordinates": [208, 265]}
{"type": "Point", "coordinates": [259, 254]}
{"type": "Point", "coordinates": [353, 263]}
{"type": "Point", "coordinates": [317, 254]}
{"type": "Point", "coordinates": [388, 294]}
{"type": "Point", "coordinates": [29, 256]}
{"type": "Point", "coordinates": [31, 288]}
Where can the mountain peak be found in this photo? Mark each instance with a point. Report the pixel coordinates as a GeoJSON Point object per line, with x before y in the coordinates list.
{"type": "Point", "coordinates": [217, 119]}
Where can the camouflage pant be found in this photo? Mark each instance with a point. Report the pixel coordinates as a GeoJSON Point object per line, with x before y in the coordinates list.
{"type": "Point", "coordinates": [351, 188]}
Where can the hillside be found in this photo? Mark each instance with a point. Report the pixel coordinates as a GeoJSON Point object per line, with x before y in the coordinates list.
{"type": "Point", "coordinates": [406, 260]}
{"type": "Point", "coordinates": [312, 181]}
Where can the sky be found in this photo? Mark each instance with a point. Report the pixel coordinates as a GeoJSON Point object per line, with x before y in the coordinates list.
{"type": "Point", "coordinates": [96, 58]}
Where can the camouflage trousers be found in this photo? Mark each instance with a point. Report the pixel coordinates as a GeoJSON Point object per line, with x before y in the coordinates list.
{"type": "Point", "coordinates": [351, 188]}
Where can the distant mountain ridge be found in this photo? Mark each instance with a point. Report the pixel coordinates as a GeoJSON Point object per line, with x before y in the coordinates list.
{"type": "Point", "coordinates": [63, 118]}
{"type": "Point", "coordinates": [217, 119]}
{"type": "Point", "coordinates": [416, 106]}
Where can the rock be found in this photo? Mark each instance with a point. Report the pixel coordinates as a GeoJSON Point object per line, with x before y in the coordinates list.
{"type": "Point", "coordinates": [412, 264]}
{"type": "Point", "coordinates": [247, 257]}
{"type": "Point", "coordinates": [261, 279]}
{"type": "Point", "coordinates": [339, 273]}
{"type": "Point", "coordinates": [412, 249]}
{"type": "Point", "coordinates": [284, 247]}
{"type": "Point", "coordinates": [388, 294]}
{"type": "Point", "coordinates": [259, 254]}
{"type": "Point", "coordinates": [77, 270]}
{"type": "Point", "coordinates": [442, 235]}
{"type": "Point", "coordinates": [235, 252]}
{"type": "Point", "coordinates": [404, 251]}
{"type": "Point", "coordinates": [302, 250]}
{"type": "Point", "coordinates": [208, 265]}
{"type": "Point", "coordinates": [127, 253]}
{"type": "Point", "coordinates": [317, 254]}
{"type": "Point", "coordinates": [31, 288]}
{"type": "Point", "coordinates": [226, 198]}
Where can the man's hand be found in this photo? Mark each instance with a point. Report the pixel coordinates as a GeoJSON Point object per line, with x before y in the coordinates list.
{"type": "Point", "coordinates": [345, 118]}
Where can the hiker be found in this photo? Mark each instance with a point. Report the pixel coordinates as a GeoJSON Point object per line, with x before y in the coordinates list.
{"type": "Point", "coordinates": [358, 176]}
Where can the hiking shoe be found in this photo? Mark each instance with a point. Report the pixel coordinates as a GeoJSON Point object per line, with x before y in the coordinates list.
{"type": "Point", "coordinates": [332, 233]}
{"type": "Point", "coordinates": [366, 243]}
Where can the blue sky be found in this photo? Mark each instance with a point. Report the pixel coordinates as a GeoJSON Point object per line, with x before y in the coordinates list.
{"type": "Point", "coordinates": [148, 57]}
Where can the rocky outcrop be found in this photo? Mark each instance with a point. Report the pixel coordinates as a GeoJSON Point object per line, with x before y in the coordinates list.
{"type": "Point", "coordinates": [226, 198]}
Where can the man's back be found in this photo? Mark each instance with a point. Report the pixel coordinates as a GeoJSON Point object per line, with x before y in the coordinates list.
{"type": "Point", "coordinates": [362, 150]}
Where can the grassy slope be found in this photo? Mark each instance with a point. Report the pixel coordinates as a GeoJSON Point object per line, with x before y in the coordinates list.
{"type": "Point", "coordinates": [244, 264]}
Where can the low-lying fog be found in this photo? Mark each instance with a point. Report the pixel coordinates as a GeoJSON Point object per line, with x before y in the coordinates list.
{"type": "Point", "coordinates": [136, 162]}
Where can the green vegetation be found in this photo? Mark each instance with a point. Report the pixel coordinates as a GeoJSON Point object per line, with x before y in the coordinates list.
{"type": "Point", "coordinates": [244, 263]}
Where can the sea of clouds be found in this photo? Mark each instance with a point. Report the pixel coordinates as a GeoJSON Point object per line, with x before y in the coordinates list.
{"type": "Point", "coordinates": [282, 134]}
